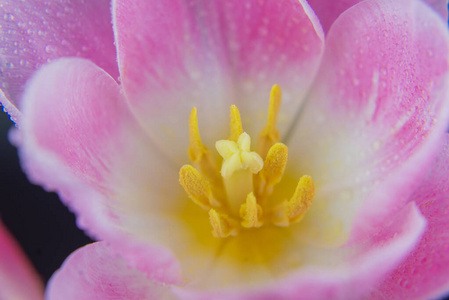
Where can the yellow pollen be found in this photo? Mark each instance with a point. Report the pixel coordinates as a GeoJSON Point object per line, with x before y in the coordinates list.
{"type": "Point", "coordinates": [196, 150]}
{"type": "Point", "coordinates": [293, 210]}
{"type": "Point", "coordinates": [251, 212]}
{"type": "Point", "coordinates": [273, 169]}
{"type": "Point", "coordinates": [201, 156]}
{"type": "Point", "coordinates": [240, 196]}
{"type": "Point", "coordinates": [270, 134]}
{"type": "Point", "coordinates": [222, 225]}
{"type": "Point", "coordinates": [235, 124]}
{"type": "Point", "coordinates": [197, 187]}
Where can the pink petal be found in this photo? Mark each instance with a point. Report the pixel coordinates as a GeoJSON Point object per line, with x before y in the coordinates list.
{"type": "Point", "coordinates": [34, 32]}
{"type": "Point", "coordinates": [177, 54]}
{"type": "Point", "coordinates": [93, 272]}
{"type": "Point", "coordinates": [328, 11]}
{"type": "Point", "coordinates": [353, 277]}
{"type": "Point", "coordinates": [425, 273]}
{"type": "Point", "coordinates": [376, 115]}
{"type": "Point", "coordinates": [18, 279]}
{"type": "Point", "coordinates": [80, 140]}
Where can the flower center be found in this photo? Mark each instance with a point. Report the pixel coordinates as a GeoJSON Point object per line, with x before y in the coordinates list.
{"type": "Point", "coordinates": [239, 196]}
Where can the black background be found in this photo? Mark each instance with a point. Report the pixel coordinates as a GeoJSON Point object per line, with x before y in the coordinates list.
{"type": "Point", "coordinates": [42, 225]}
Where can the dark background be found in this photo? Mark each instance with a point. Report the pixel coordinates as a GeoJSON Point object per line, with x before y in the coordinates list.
{"type": "Point", "coordinates": [43, 226]}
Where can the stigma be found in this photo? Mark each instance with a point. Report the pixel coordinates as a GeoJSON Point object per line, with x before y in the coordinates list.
{"type": "Point", "coordinates": [238, 194]}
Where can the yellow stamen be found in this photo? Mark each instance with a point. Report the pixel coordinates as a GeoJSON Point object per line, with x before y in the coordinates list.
{"type": "Point", "coordinates": [251, 212]}
{"type": "Point", "coordinates": [273, 169]}
{"type": "Point", "coordinates": [293, 210]}
{"type": "Point", "coordinates": [222, 225]}
{"type": "Point", "coordinates": [196, 150]}
{"type": "Point", "coordinates": [235, 124]}
{"type": "Point", "coordinates": [198, 188]}
{"type": "Point", "coordinates": [200, 155]}
{"type": "Point", "coordinates": [242, 189]}
{"type": "Point", "coordinates": [270, 134]}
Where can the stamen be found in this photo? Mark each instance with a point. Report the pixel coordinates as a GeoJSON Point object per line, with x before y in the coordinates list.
{"type": "Point", "coordinates": [222, 225]}
{"type": "Point", "coordinates": [201, 156]}
{"type": "Point", "coordinates": [251, 212]}
{"type": "Point", "coordinates": [235, 124]}
{"type": "Point", "coordinates": [293, 210]}
{"type": "Point", "coordinates": [196, 150]}
{"type": "Point", "coordinates": [270, 134]}
{"type": "Point", "coordinates": [273, 169]}
{"type": "Point", "coordinates": [198, 188]}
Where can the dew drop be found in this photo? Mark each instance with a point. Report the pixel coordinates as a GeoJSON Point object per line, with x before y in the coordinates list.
{"type": "Point", "coordinates": [50, 49]}
{"type": "Point", "coordinates": [8, 17]}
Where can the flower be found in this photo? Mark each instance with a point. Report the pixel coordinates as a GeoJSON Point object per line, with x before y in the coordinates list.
{"type": "Point", "coordinates": [342, 208]}
{"type": "Point", "coordinates": [16, 271]}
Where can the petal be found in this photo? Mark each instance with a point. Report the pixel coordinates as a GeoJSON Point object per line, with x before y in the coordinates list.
{"type": "Point", "coordinates": [175, 54]}
{"type": "Point", "coordinates": [80, 140]}
{"type": "Point", "coordinates": [16, 271]}
{"type": "Point", "coordinates": [425, 275]}
{"type": "Point", "coordinates": [328, 11]}
{"type": "Point", "coordinates": [93, 272]}
{"type": "Point", "coordinates": [375, 117]}
{"type": "Point", "coordinates": [34, 32]}
{"type": "Point", "coordinates": [352, 273]}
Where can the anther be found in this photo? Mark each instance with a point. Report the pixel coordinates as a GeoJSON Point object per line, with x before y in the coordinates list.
{"type": "Point", "coordinates": [197, 187]}
{"type": "Point", "coordinates": [270, 134]}
{"type": "Point", "coordinates": [293, 210]}
{"type": "Point", "coordinates": [200, 155]}
{"type": "Point", "coordinates": [273, 169]}
{"type": "Point", "coordinates": [222, 225]}
{"type": "Point", "coordinates": [251, 213]}
{"type": "Point", "coordinates": [235, 124]}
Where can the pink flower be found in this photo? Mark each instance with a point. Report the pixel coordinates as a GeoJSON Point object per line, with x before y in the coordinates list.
{"type": "Point", "coordinates": [18, 280]}
{"type": "Point", "coordinates": [363, 114]}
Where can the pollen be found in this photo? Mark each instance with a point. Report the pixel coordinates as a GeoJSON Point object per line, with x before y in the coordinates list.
{"type": "Point", "coordinates": [197, 187]}
{"type": "Point", "coordinates": [239, 194]}
{"type": "Point", "coordinates": [251, 212]}
{"type": "Point", "coordinates": [222, 225]}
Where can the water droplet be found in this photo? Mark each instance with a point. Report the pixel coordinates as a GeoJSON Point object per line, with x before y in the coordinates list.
{"type": "Point", "coordinates": [430, 52]}
{"type": "Point", "coordinates": [8, 17]}
{"type": "Point", "coordinates": [50, 49]}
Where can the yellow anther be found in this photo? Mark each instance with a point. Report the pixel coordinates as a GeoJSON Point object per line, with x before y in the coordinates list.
{"type": "Point", "coordinates": [270, 134]}
{"type": "Point", "coordinates": [293, 210]}
{"type": "Point", "coordinates": [273, 168]}
{"type": "Point", "coordinates": [237, 156]}
{"type": "Point", "coordinates": [197, 187]}
{"type": "Point", "coordinates": [200, 155]}
{"type": "Point", "coordinates": [235, 124]}
{"type": "Point", "coordinates": [251, 212]}
{"type": "Point", "coordinates": [196, 150]}
{"type": "Point", "coordinates": [222, 225]}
